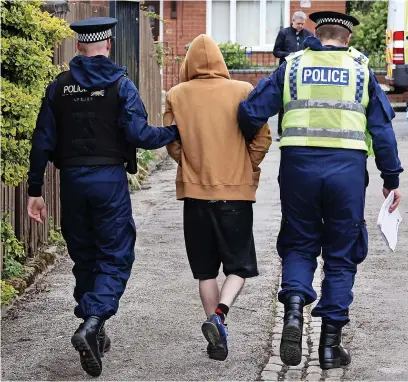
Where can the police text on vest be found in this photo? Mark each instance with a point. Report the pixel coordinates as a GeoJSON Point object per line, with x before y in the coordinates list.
{"type": "Point", "coordinates": [321, 75]}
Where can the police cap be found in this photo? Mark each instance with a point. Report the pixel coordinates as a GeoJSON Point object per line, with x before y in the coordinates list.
{"type": "Point", "coordinates": [94, 29]}
{"type": "Point", "coordinates": [334, 18]}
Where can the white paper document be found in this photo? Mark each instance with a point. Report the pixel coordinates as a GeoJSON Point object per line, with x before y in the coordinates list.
{"type": "Point", "coordinates": [388, 223]}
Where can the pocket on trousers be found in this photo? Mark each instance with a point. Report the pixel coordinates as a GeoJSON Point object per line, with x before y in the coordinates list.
{"type": "Point", "coordinates": [360, 235]}
{"type": "Point", "coordinates": [282, 241]}
{"type": "Point", "coordinates": [125, 226]}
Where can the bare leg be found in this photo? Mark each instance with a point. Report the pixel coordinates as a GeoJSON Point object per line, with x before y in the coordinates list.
{"type": "Point", "coordinates": [231, 289]}
{"type": "Point", "coordinates": [210, 295]}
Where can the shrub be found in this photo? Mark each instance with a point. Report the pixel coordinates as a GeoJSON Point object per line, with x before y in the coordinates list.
{"type": "Point", "coordinates": [234, 55]}
{"type": "Point", "coordinates": [369, 36]}
{"type": "Point", "coordinates": [13, 251]}
{"type": "Point", "coordinates": [7, 293]}
{"type": "Point", "coordinates": [28, 36]}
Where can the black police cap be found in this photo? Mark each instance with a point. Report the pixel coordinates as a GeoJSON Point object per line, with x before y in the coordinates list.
{"type": "Point", "coordinates": [94, 29]}
{"type": "Point", "coordinates": [334, 18]}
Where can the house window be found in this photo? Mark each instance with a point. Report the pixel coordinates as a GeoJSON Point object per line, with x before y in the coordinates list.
{"type": "Point", "coordinates": [220, 16]}
{"type": "Point", "coordinates": [251, 23]}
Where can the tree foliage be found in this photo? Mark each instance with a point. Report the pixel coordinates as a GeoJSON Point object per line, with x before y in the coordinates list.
{"type": "Point", "coordinates": [369, 36]}
{"type": "Point", "coordinates": [28, 36]}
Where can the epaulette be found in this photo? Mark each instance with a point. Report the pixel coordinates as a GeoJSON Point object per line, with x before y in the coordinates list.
{"type": "Point", "coordinates": [62, 73]}
{"type": "Point", "coordinates": [358, 56]}
{"type": "Point", "coordinates": [294, 55]}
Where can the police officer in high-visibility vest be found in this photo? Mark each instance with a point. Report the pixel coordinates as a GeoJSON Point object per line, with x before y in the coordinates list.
{"type": "Point", "coordinates": [335, 114]}
{"type": "Point", "coordinates": [91, 121]}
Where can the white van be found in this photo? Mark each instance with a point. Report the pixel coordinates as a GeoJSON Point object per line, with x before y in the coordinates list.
{"type": "Point", "coordinates": [397, 45]}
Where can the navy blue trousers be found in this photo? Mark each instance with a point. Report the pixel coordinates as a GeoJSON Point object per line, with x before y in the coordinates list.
{"type": "Point", "coordinates": [322, 197]}
{"type": "Point", "coordinates": [100, 233]}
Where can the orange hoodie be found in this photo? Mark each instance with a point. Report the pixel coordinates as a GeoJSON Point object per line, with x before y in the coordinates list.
{"type": "Point", "coordinates": [215, 162]}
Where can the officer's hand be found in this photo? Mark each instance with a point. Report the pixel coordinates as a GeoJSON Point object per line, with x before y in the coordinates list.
{"type": "Point", "coordinates": [36, 208]}
{"type": "Point", "coordinates": [397, 197]}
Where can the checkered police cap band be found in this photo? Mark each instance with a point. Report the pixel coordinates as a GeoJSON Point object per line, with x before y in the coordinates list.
{"type": "Point", "coordinates": [94, 37]}
{"type": "Point", "coordinates": [335, 21]}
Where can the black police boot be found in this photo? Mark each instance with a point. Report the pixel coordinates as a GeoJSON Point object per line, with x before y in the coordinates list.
{"type": "Point", "coordinates": [103, 341]}
{"type": "Point", "coordinates": [85, 341]}
{"type": "Point", "coordinates": [331, 352]}
{"type": "Point", "coordinates": [291, 342]}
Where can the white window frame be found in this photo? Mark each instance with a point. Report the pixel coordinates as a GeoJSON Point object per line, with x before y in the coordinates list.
{"type": "Point", "coordinates": [263, 46]}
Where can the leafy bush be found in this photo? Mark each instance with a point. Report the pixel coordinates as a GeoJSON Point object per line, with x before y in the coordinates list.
{"type": "Point", "coordinates": [369, 36]}
{"type": "Point", "coordinates": [28, 36]}
{"type": "Point", "coordinates": [13, 251]}
{"type": "Point", "coordinates": [7, 293]}
{"type": "Point", "coordinates": [55, 236]}
{"type": "Point", "coordinates": [234, 55]}
{"type": "Point", "coordinates": [144, 157]}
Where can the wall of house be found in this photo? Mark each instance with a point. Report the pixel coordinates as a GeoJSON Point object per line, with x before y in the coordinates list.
{"type": "Point", "coordinates": [189, 22]}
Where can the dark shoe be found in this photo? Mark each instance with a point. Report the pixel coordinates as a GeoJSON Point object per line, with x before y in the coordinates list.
{"type": "Point", "coordinates": [331, 352]}
{"type": "Point", "coordinates": [216, 334]}
{"type": "Point", "coordinates": [85, 341]}
{"type": "Point", "coordinates": [278, 138]}
{"type": "Point", "coordinates": [291, 342]}
{"type": "Point", "coordinates": [104, 342]}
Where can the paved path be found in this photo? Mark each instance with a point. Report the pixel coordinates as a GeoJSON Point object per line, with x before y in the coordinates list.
{"type": "Point", "coordinates": [156, 334]}
{"type": "Point", "coordinates": [377, 336]}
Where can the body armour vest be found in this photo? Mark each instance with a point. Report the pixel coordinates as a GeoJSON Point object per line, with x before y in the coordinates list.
{"type": "Point", "coordinates": [87, 125]}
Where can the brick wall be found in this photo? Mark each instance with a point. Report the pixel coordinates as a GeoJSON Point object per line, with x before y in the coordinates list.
{"type": "Point", "coordinates": [251, 77]}
{"type": "Point", "coordinates": [190, 22]}
{"type": "Point", "coordinates": [317, 5]}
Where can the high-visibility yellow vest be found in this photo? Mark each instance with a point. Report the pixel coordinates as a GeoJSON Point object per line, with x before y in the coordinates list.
{"type": "Point", "coordinates": [325, 99]}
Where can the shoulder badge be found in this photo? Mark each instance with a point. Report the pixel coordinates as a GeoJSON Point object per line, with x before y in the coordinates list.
{"type": "Point", "coordinates": [358, 56]}
{"type": "Point", "coordinates": [294, 55]}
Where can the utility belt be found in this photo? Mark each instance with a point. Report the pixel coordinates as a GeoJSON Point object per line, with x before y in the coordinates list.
{"type": "Point", "coordinates": [131, 166]}
{"type": "Point", "coordinates": [90, 161]}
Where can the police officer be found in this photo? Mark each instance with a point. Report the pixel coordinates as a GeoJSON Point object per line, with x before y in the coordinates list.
{"type": "Point", "coordinates": [335, 111]}
{"type": "Point", "coordinates": [90, 123]}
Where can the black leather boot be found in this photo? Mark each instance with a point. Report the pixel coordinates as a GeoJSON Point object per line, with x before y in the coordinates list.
{"type": "Point", "coordinates": [291, 342]}
{"type": "Point", "coordinates": [85, 341]}
{"type": "Point", "coordinates": [331, 352]}
{"type": "Point", "coordinates": [103, 341]}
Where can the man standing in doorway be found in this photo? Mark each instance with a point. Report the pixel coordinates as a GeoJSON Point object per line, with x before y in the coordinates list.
{"type": "Point", "coordinates": [290, 40]}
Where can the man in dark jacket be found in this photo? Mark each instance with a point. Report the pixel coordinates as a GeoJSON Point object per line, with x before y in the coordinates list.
{"type": "Point", "coordinates": [90, 123]}
{"type": "Point", "coordinates": [290, 40]}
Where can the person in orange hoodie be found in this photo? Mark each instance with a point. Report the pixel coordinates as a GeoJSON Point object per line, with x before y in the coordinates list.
{"type": "Point", "coordinates": [217, 177]}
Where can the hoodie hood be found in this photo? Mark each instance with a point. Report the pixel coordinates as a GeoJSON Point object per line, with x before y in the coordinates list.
{"type": "Point", "coordinates": [203, 60]}
{"type": "Point", "coordinates": [96, 72]}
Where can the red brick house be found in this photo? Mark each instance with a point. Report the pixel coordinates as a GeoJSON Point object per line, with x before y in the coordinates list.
{"type": "Point", "coordinates": [253, 24]}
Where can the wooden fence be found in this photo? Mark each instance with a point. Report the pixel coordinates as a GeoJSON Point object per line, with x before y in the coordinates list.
{"type": "Point", "coordinates": [14, 199]}
{"type": "Point", "coordinates": [149, 73]}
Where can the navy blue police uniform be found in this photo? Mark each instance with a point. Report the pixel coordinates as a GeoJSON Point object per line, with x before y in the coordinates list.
{"type": "Point", "coordinates": [322, 194]}
{"type": "Point", "coordinates": [91, 121]}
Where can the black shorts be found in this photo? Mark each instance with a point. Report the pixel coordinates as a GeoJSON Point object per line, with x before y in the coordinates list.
{"type": "Point", "coordinates": [219, 232]}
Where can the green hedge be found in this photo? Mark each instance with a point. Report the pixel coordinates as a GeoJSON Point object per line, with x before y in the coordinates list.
{"type": "Point", "coordinates": [28, 36]}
